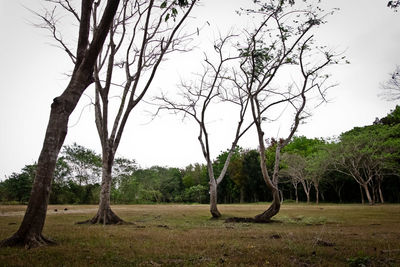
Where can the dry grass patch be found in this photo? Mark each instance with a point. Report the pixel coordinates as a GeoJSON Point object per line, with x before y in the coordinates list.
{"type": "Point", "coordinates": [184, 235]}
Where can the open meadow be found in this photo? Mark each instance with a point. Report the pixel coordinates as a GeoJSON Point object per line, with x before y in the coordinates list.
{"type": "Point", "coordinates": [184, 235]}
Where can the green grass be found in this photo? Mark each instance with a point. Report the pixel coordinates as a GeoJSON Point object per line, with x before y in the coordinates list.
{"type": "Point", "coordinates": [184, 235]}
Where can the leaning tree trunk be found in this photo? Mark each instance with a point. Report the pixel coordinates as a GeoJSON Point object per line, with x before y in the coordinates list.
{"type": "Point", "coordinates": [29, 233]}
{"type": "Point", "coordinates": [380, 192]}
{"type": "Point", "coordinates": [370, 201]}
{"type": "Point", "coordinates": [272, 210]}
{"type": "Point", "coordinates": [213, 199]}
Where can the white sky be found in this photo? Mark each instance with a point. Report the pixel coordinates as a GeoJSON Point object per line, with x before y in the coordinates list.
{"type": "Point", "coordinates": [31, 75]}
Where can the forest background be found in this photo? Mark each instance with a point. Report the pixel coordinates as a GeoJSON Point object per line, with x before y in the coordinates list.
{"type": "Point", "coordinates": [312, 170]}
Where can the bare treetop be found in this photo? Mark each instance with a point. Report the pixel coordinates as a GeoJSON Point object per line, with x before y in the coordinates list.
{"type": "Point", "coordinates": [391, 88]}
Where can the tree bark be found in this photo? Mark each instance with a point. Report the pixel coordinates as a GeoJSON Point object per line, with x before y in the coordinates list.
{"type": "Point", "coordinates": [380, 193]}
{"type": "Point", "coordinates": [213, 199]}
{"type": "Point", "coordinates": [104, 214]}
{"type": "Point", "coordinates": [367, 194]}
{"type": "Point", "coordinates": [272, 210]}
{"type": "Point", "coordinates": [316, 193]}
{"type": "Point", "coordinates": [362, 196]}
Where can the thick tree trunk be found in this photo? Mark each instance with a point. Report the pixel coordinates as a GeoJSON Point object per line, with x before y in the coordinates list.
{"type": "Point", "coordinates": [29, 233]}
{"type": "Point", "coordinates": [316, 194]}
{"type": "Point", "coordinates": [272, 210]}
{"type": "Point", "coordinates": [104, 214]}
{"type": "Point", "coordinates": [213, 199]}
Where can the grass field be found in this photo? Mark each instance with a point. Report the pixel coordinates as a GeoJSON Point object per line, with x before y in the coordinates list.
{"type": "Point", "coordinates": [184, 235]}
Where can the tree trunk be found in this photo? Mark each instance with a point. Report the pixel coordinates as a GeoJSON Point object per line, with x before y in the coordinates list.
{"type": "Point", "coordinates": [213, 199]}
{"type": "Point", "coordinates": [29, 233]}
{"type": "Point", "coordinates": [316, 194]}
{"type": "Point", "coordinates": [296, 193]}
{"type": "Point", "coordinates": [365, 186]}
{"type": "Point", "coordinates": [241, 194]}
{"type": "Point", "coordinates": [362, 196]}
{"type": "Point", "coordinates": [104, 214]}
{"type": "Point", "coordinates": [308, 197]}
{"type": "Point", "coordinates": [306, 190]}
{"type": "Point", "coordinates": [380, 193]}
{"type": "Point", "coordinates": [272, 210]}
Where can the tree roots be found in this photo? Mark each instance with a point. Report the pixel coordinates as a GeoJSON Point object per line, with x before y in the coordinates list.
{"type": "Point", "coordinates": [105, 217]}
{"type": "Point", "coordinates": [30, 241]}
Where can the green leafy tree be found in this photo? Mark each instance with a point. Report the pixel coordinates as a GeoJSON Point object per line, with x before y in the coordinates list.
{"type": "Point", "coordinates": [367, 154]}
{"type": "Point", "coordinates": [84, 164]}
{"type": "Point", "coordinates": [18, 186]}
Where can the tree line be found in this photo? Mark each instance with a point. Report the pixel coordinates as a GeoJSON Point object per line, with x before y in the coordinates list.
{"type": "Point", "coordinates": [361, 165]}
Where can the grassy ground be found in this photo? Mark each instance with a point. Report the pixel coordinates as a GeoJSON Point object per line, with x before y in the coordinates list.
{"type": "Point", "coordinates": [184, 235]}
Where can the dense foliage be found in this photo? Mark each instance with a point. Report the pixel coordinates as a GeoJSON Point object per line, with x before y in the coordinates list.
{"type": "Point", "coordinates": [362, 164]}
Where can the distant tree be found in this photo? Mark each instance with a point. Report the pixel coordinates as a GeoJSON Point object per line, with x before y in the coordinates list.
{"type": "Point", "coordinates": [391, 88]}
{"type": "Point", "coordinates": [84, 163]}
{"type": "Point", "coordinates": [305, 163]}
{"type": "Point", "coordinates": [29, 233]}
{"type": "Point", "coordinates": [392, 118]}
{"type": "Point", "coordinates": [367, 154]}
{"type": "Point", "coordinates": [237, 173]}
{"type": "Point", "coordinates": [317, 166]}
{"type": "Point", "coordinates": [17, 186]}
{"type": "Point", "coordinates": [296, 169]}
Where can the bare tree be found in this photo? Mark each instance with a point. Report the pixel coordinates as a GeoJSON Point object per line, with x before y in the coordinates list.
{"type": "Point", "coordinates": [196, 99]}
{"type": "Point", "coordinates": [282, 39]}
{"type": "Point", "coordinates": [297, 171]}
{"type": "Point", "coordinates": [29, 233]}
{"type": "Point", "coordinates": [142, 34]}
{"type": "Point", "coordinates": [391, 88]}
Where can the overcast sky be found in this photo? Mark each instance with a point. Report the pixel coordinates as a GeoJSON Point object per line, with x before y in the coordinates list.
{"type": "Point", "coordinates": [32, 73]}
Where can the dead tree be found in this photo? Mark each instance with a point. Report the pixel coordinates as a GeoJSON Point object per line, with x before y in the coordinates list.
{"type": "Point", "coordinates": [214, 83]}
{"type": "Point", "coordinates": [142, 34]}
{"type": "Point", "coordinates": [89, 46]}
